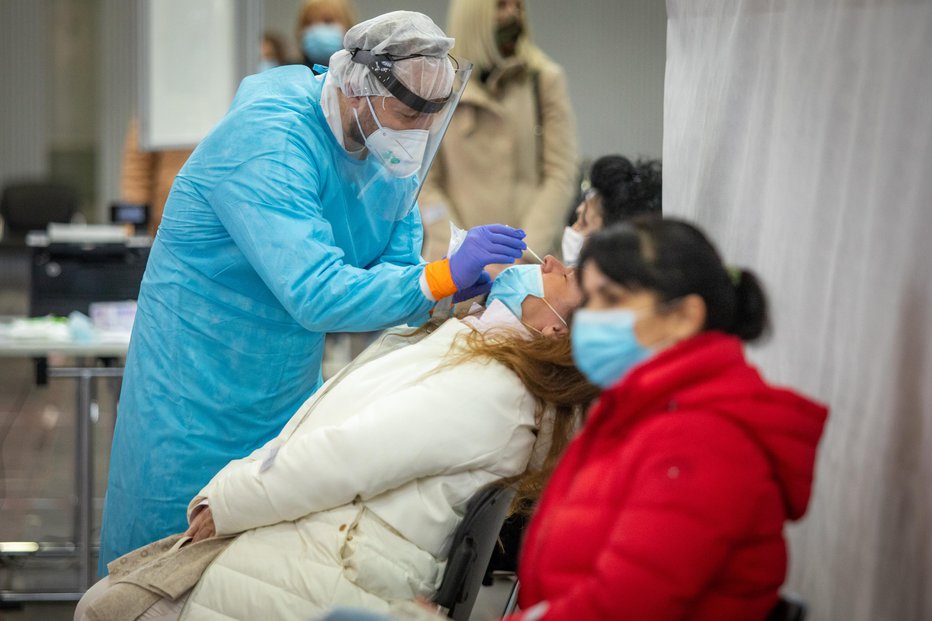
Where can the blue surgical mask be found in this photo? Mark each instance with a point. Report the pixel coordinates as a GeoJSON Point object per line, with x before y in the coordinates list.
{"type": "Point", "coordinates": [516, 283]}
{"type": "Point", "coordinates": [605, 347]}
{"type": "Point", "coordinates": [322, 41]}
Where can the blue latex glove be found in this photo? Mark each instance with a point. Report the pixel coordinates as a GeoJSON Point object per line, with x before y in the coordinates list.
{"type": "Point", "coordinates": [482, 286]}
{"type": "Point", "coordinates": [484, 245]}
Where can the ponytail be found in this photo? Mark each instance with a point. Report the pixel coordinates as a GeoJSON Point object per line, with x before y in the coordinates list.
{"type": "Point", "coordinates": [751, 318]}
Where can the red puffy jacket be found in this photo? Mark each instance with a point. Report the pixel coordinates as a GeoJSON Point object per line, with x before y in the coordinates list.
{"type": "Point", "coordinates": [670, 504]}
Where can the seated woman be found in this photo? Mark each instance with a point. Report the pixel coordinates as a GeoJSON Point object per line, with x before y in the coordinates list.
{"type": "Point", "coordinates": [671, 502]}
{"type": "Point", "coordinates": [355, 501]}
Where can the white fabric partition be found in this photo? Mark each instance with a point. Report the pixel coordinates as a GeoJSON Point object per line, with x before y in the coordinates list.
{"type": "Point", "coordinates": [798, 133]}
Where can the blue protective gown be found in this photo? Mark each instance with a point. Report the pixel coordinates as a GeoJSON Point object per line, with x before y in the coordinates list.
{"type": "Point", "coordinates": [263, 248]}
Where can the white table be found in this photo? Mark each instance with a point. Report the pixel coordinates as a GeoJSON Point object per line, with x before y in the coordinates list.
{"type": "Point", "coordinates": [84, 458]}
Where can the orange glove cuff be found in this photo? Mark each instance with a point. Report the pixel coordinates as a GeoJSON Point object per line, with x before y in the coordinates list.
{"type": "Point", "coordinates": [440, 279]}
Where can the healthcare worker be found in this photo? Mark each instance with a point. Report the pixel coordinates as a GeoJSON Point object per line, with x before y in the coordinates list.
{"type": "Point", "coordinates": [294, 217]}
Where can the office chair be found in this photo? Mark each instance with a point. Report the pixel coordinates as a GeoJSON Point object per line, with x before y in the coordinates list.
{"type": "Point", "coordinates": [471, 549]}
{"type": "Point", "coordinates": [31, 205]}
{"type": "Point", "coordinates": [788, 608]}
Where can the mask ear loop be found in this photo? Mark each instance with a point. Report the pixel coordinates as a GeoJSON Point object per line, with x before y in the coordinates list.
{"type": "Point", "coordinates": [359, 125]}
{"type": "Point", "coordinates": [375, 116]}
{"type": "Point", "coordinates": [559, 316]}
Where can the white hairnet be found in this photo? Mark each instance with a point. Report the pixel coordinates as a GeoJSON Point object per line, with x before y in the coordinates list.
{"type": "Point", "coordinates": [399, 33]}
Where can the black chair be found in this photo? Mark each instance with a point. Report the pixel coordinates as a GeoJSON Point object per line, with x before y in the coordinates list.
{"type": "Point", "coordinates": [788, 608]}
{"type": "Point", "coordinates": [471, 549]}
{"type": "Point", "coordinates": [31, 205]}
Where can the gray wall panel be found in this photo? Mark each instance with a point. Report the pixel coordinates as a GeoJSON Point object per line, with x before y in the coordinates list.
{"type": "Point", "coordinates": [23, 99]}
{"type": "Point", "coordinates": [117, 94]}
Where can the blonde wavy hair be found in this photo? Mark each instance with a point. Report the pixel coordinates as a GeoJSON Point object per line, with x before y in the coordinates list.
{"type": "Point", "coordinates": [545, 366]}
{"type": "Point", "coordinates": [472, 23]}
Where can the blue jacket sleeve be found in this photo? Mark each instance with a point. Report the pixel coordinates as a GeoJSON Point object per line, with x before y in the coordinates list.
{"type": "Point", "coordinates": [271, 208]}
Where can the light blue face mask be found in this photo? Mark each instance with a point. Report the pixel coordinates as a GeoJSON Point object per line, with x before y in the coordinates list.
{"type": "Point", "coordinates": [322, 41]}
{"type": "Point", "coordinates": [605, 347]}
{"type": "Point", "coordinates": [514, 284]}
{"type": "Point", "coordinates": [517, 282]}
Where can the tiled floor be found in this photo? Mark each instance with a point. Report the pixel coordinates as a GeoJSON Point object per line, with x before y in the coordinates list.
{"type": "Point", "coordinates": [37, 426]}
{"type": "Point", "coordinates": [37, 478]}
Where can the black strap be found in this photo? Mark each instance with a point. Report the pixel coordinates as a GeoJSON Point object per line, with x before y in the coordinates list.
{"type": "Point", "coordinates": [539, 127]}
{"type": "Point", "coordinates": [381, 67]}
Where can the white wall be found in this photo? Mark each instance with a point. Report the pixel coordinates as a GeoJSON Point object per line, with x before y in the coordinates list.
{"type": "Point", "coordinates": [72, 44]}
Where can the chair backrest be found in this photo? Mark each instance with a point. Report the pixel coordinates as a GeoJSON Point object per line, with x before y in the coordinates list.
{"type": "Point", "coordinates": [31, 205]}
{"type": "Point", "coordinates": [788, 608]}
{"type": "Point", "coordinates": [471, 549]}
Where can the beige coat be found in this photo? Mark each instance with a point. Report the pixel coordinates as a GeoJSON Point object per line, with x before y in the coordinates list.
{"type": "Point", "coordinates": [505, 159]}
{"type": "Point", "coordinates": [148, 175]}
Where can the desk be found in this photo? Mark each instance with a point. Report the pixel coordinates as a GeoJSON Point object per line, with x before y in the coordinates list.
{"type": "Point", "coordinates": [84, 464]}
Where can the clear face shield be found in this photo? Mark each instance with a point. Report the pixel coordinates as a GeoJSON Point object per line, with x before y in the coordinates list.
{"type": "Point", "coordinates": [403, 132]}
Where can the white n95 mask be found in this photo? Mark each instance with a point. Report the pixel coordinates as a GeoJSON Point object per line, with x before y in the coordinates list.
{"type": "Point", "coordinates": [400, 151]}
{"type": "Point", "coordinates": [572, 245]}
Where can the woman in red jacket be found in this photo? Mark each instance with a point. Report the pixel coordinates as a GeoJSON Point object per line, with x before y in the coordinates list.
{"type": "Point", "coordinates": [670, 503]}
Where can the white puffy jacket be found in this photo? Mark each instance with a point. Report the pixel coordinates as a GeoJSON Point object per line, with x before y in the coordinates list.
{"type": "Point", "coordinates": [355, 503]}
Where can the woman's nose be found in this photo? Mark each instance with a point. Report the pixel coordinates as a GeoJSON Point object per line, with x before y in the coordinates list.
{"type": "Point", "coordinates": [581, 212]}
{"type": "Point", "coordinates": [551, 264]}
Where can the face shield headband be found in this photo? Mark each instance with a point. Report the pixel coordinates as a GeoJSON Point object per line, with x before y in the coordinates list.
{"type": "Point", "coordinates": [381, 66]}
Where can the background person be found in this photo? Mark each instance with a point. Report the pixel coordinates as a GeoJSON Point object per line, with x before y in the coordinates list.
{"type": "Point", "coordinates": [321, 27]}
{"type": "Point", "coordinates": [510, 152]}
{"type": "Point", "coordinates": [280, 229]}
{"type": "Point", "coordinates": [617, 191]}
{"type": "Point", "coordinates": [671, 502]}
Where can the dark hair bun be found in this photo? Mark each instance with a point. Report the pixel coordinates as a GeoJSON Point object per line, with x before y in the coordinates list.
{"type": "Point", "coordinates": [751, 316]}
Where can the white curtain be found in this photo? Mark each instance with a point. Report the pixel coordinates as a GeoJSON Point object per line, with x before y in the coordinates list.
{"type": "Point", "coordinates": [798, 133]}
